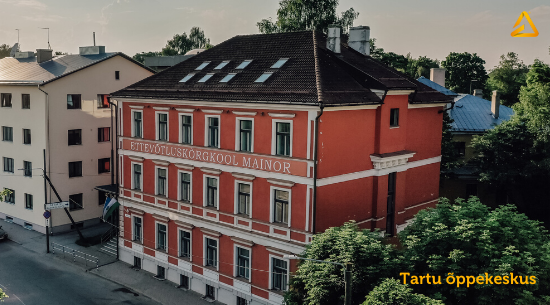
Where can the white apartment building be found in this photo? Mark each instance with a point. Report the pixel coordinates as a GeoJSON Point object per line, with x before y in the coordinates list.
{"type": "Point", "coordinates": [58, 105]}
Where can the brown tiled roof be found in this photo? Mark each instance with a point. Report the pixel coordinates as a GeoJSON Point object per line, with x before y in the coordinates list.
{"type": "Point", "coordinates": [313, 74]}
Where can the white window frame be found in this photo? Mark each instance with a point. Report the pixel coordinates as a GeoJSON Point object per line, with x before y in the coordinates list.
{"type": "Point", "coordinates": [205, 255]}
{"type": "Point", "coordinates": [133, 227]}
{"type": "Point", "coordinates": [133, 127]}
{"type": "Point", "coordinates": [156, 179]}
{"type": "Point", "coordinates": [271, 256]}
{"type": "Point", "coordinates": [238, 133]}
{"type": "Point", "coordinates": [156, 236]}
{"type": "Point", "coordinates": [274, 136]}
{"type": "Point", "coordinates": [236, 210]}
{"type": "Point", "coordinates": [205, 191]}
{"type": "Point", "coordinates": [141, 180]}
{"type": "Point", "coordinates": [180, 140]}
{"type": "Point", "coordinates": [190, 184]}
{"type": "Point", "coordinates": [190, 244]}
{"type": "Point", "coordinates": [236, 256]}
{"type": "Point", "coordinates": [272, 203]}
{"type": "Point", "coordinates": [157, 125]}
{"type": "Point", "coordinates": [206, 119]}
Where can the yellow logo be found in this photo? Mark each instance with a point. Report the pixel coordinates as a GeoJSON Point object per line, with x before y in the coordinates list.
{"type": "Point", "coordinates": [516, 32]}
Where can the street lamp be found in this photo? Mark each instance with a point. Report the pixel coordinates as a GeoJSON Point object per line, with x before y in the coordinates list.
{"type": "Point", "coordinates": [347, 274]}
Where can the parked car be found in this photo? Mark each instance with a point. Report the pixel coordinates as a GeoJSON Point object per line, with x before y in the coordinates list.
{"type": "Point", "coordinates": [3, 234]}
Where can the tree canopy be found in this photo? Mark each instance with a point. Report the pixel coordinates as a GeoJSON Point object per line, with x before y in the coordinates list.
{"type": "Point", "coordinates": [4, 50]}
{"type": "Point", "coordinates": [508, 77]}
{"type": "Point", "coordinates": [303, 15]}
{"type": "Point", "coordinates": [391, 291]}
{"type": "Point", "coordinates": [462, 70]}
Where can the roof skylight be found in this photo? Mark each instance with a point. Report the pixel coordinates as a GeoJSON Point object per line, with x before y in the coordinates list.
{"type": "Point", "coordinates": [279, 63]}
{"type": "Point", "coordinates": [221, 65]}
{"type": "Point", "coordinates": [206, 77]}
{"type": "Point", "coordinates": [203, 65]}
{"type": "Point", "coordinates": [228, 77]}
{"type": "Point", "coordinates": [263, 77]}
{"type": "Point", "coordinates": [187, 77]}
{"type": "Point", "coordinates": [244, 64]}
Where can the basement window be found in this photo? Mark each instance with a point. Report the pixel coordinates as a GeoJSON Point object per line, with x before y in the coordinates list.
{"type": "Point", "coordinates": [221, 65]}
{"type": "Point", "coordinates": [228, 77]}
{"type": "Point", "coordinates": [9, 219]}
{"type": "Point", "coordinates": [187, 77]}
{"type": "Point", "coordinates": [244, 64]}
{"type": "Point", "coordinates": [202, 66]}
{"type": "Point", "coordinates": [206, 77]}
{"type": "Point", "coordinates": [279, 63]}
{"type": "Point", "coordinates": [263, 77]}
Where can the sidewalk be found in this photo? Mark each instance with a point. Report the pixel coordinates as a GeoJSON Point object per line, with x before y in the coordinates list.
{"type": "Point", "coordinates": [142, 282]}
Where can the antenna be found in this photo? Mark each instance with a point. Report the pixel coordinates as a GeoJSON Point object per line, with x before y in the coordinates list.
{"type": "Point", "coordinates": [49, 47]}
{"type": "Point", "coordinates": [94, 39]}
{"type": "Point", "coordinates": [17, 35]}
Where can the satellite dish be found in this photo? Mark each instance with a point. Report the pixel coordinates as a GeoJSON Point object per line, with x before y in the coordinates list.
{"type": "Point", "coordinates": [14, 49]}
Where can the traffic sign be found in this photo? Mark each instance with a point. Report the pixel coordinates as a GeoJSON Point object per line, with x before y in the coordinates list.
{"type": "Point", "coordinates": [57, 205]}
{"type": "Point", "coordinates": [47, 214]}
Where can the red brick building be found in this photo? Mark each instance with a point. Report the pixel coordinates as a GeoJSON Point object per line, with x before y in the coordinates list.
{"type": "Point", "coordinates": [235, 157]}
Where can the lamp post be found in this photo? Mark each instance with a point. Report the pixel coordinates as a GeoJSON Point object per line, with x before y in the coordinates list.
{"type": "Point", "coordinates": [347, 274]}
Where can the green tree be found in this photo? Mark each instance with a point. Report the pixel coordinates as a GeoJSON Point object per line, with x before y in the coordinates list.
{"type": "Point", "coordinates": [140, 57]}
{"type": "Point", "coordinates": [420, 66]}
{"type": "Point", "coordinates": [449, 155]}
{"type": "Point", "coordinates": [319, 283]}
{"type": "Point", "coordinates": [391, 291]}
{"type": "Point", "coordinates": [469, 239]}
{"type": "Point", "coordinates": [3, 295]}
{"type": "Point", "coordinates": [3, 194]}
{"type": "Point", "coordinates": [4, 50]}
{"type": "Point", "coordinates": [508, 77]}
{"type": "Point", "coordinates": [304, 15]}
{"type": "Point", "coordinates": [181, 44]}
{"type": "Point", "coordinates": [462, 69]}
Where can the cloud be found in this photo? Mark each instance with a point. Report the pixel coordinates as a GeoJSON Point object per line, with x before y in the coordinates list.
{"type": "Point", "coordinates": [26, 4]}
{"type": "Point", "coordinates": [483, 18]}
{"type": "Point", "coordinates": [43, 18]}
{"type": "Point", "coordinates": [540, 11]}
{"type": "Point", "coordinates": [185, 9]}
{"type": "Point", "coordinates": [213, 14]}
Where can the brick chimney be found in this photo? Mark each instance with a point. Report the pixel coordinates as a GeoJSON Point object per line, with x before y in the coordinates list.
{"type": "Point", "coordinates": [359, 39]}
{"type": "Point", "coordinates": [43, 55]}
{"type": "Point", "coordinates": [437, 75]}
{"type": "Point", "coordinates": [478, 93]}
{"type": "Point", "coordinates": [333, 39]}
{"type": "Point", "coordinates": [495, 104]}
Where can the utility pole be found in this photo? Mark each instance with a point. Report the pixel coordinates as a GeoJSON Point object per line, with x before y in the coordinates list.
{"type": "Point", "coordinates": [347, 274]}
{"type": "Point", "coordinates": [45, 202]}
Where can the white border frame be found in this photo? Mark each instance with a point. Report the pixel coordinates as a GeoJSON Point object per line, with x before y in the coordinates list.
{"type": "Point", "coordinates": [206, 119]}
{"type": "Point", "coordinates": [132, 122]}
{"type": "Point", "coordinates": [238, 134]}
{"type": "Point", "coordinates": [271, 256]}
{"type": "Point", "coordinates": [236, 199]}
{"type": "Point", "coordinates": [133, 227]}
{"type": "Point", "coordinates": [190, 172]}
{"type": "Point", "coordinates": [156, 179]}
{"type": "Point", "coordinates": [190, 245]}
{"type": "Point", "coordinates": [272, 203]}
{"type": "Point", "coordinates": [204, 237]}
{"type": "Point", "coordinates": [132, 185]}
{"type": "Point", "coordinates": [274, 138]}
{"type": "Point", "coordinates": [205, 191]}
{"type": "Point", "coordinates": [236, 261]}
{"type": "Point", "coordinates": [180, 115]}
{"type": "Point", "coordinates": [156, 236]}
{"type": "Point", "coordinates": [157, 125]}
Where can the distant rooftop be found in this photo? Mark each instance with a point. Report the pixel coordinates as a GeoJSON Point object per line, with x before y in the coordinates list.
{"type": "Point", "coordinates": [162, 62]}
{"type": "Point", "coordinates": [473, 114]}
{"type": "Point", "coordinates": [436, 86]}
{"type": "Point", "coordinates": [27, 70]}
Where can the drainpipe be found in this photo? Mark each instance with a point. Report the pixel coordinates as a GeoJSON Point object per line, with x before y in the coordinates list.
{"type": "Point", "coordinates": [315, 161]}
{"type": "Point", "coordinates": [113, 156]}
{"type": "Point", "coordinates": [47, 119]}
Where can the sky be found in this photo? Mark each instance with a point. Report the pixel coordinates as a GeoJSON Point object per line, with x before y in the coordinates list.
{"type": "Point", "coordinates": [421, 27]}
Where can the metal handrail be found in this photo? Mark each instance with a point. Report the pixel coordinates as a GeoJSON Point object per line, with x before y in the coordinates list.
{"type": "Point", "coordinates": [109, 234]}
{"type": "Point", "coordinates": [76, 254]}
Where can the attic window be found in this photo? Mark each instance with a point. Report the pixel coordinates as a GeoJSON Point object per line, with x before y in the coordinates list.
{"type": "Point", "coordinates": [263, 77]}
{"type": "Point", "coordinates": [221, 65]}
{"type": "Point", "coordinates": [244, 64]}
{"type": "Point", "coordinates": [228, 77]}
{"type": "Point", "coordinates": [187, 77]}
{"type": "Point", "coordinates": [203, 65]}
{"type": "Point", "coordinates": [206, 77]}
{"type": "Point", "coordinates": [279, 63]}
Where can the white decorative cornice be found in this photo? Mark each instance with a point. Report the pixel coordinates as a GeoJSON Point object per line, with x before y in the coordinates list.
{"type": "Point", "coordinates": [241, 241]}
{"type": "Point", "coordinates": [211, 232]}
{"type": "Point", "coordinates": [391, 160]}
{"type": "Point", "coordinates": [184, 225]}
{"type": "Point", "coordinates": [212, 111]}
{"type": "Point", "coordinates": [160, 162]}
{"type": "Point", "coordinates": [184, 166]}
{"type": "Point", "coordinates": [212, 171]}
{"type": "Point", "coordinates": [244, 113]}
{"type": "Point", "coordinates": [161, 218]}
{"type": "Point", "coordinates": [135, 107]}
{"type": "Point", "coordinates": [137, 159]}
{"type": "Point", "coordinates": [282, 115]}
{"type": "Point", "coordinates": [280, 182]}
{"type": "Point", "coordinates": [244, 176]}
{"type": "Point", "coordinates": [185, 109]}
{"type": "Point", "coordinates": [162, 108]}
{"type": "Point", "coordinates": [136, 211]}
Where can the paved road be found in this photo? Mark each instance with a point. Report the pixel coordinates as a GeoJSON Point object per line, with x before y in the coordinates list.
{"type": "Point", "coordinates": [31, 278]}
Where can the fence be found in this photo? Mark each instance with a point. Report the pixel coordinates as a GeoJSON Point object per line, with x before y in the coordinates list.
{"type": "Point", "coordinates": [76, 254]}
